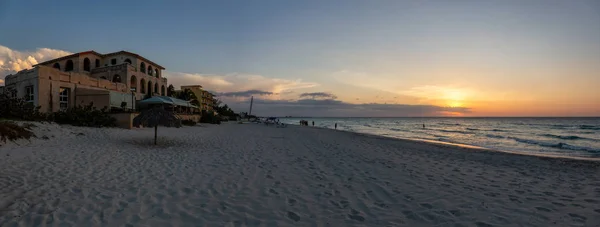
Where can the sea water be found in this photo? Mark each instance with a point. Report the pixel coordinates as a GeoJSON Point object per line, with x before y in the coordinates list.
{"type": "Point", "coordinates": [555, 136]}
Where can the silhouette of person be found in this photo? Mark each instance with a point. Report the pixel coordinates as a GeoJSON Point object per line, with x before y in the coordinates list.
{"type": "Point", "coordinates": [335, 125]}
{"type": "Point", "coordinates": [313, 123]}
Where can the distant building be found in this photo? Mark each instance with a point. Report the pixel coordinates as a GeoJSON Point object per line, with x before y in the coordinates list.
{"type": "Point", "coordinates": [113, 80]}
{"type": "Point", "coordinates": [205, 98]}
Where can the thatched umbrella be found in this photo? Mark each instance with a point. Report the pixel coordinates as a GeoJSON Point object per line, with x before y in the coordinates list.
{"type": "Point", "coordinates": [155, 116]}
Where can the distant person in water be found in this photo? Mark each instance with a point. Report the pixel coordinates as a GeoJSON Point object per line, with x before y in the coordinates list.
{"type": "Point", "coordinates": [335, 125]}
{"type": "Point", "coordinates": [313, 123]}
{"type": "Point", "coordinates": [423, 125]}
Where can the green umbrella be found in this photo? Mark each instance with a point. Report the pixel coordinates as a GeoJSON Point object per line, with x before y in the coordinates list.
{"type": "Point", "coordinates": [157, 116]}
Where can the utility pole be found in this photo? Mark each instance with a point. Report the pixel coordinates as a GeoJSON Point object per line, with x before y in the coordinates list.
{"type": "Point", "coordinates": [251, 101]}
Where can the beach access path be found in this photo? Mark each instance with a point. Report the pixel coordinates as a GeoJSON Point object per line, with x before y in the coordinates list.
{"type": "Point", "coordinates": [257, 175]}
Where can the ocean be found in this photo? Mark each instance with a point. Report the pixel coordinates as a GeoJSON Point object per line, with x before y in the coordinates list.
{"type": "Point", "coordinates": [578, 137]}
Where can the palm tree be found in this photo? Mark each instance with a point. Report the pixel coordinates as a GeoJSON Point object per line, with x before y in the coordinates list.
{"type": "Point", "coordinates": [153, 117]}
{"type": "Point", "coordinates": [171, 91]}
{"type": "Point", "coordinates": [188, 95]}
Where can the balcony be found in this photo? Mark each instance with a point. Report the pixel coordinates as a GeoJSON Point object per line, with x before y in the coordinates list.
{"type": "Point", "coordinates": [121, 67]}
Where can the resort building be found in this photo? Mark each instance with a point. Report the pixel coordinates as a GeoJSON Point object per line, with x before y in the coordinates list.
{"type": "Point", "coordinates": [114, 80]}
{"type": "Point", "coordinates": [205, 98]}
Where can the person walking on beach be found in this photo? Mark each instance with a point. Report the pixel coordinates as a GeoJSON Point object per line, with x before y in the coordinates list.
{"type": "Point", "coordinates": [423, 125]}
{"type": "Point", "coordinates": [335, 125]}
{"type": "Point", "coordinates": [313, 123]}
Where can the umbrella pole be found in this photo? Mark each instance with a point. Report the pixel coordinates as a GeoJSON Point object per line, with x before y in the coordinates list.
{"type": "Point", "coordinates": [155, 130]}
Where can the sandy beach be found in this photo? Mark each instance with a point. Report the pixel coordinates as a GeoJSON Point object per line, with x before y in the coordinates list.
{"type": "Point", "coordinates": [257, 175]}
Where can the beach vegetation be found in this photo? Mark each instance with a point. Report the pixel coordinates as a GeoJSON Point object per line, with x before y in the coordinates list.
{"type": "Point", "coordinates": [10, 131]}
{"type": "Point", "coordinates": [87, 116]}
{"type": "Point", "coordinates": [209, 117]}
{"type": "Point", "coordinates": [188, 122]}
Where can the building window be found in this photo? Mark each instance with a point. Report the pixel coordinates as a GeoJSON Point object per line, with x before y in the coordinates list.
{"type": "Point", "coordinates": [142, 86]}
{"type": "Point", "coordinates": [150, 71]}
{"type": "Point", "coordinates": [113, 61]}
{"type": "Point", "coordinates": [149, 88]}
{"type": "Point", "coordinates": [116, 78]}
{"type": "Point", "coordinates": [29, 94]}
{"type": "Point", "coordinates": [128, 61]}
{"type": "Point", "coordinates": [64, 98]}
{"type": "Point", "coordinates": [56, 66]}
{"type": "Point", "coordinates": [155, 88]}
{"type": "Point", "coordinates": [13, 93]}
{"type": "Point", "coordinates": [156, 73]}
{"type": "Point", "coordinates": [133, 84]}
{"type": "Point", "coordinates": [86, 64]}
{"type": "Point", "coordinates": [143, 67]}
{"type": "Point", "coordinates": [97, 63]}
{"type": "Point", "coordinates": [69, 66]}
{"type": "Point", "coordinates": [162, 90]}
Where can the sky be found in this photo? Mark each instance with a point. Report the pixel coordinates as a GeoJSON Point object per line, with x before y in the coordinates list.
{"type": "Point", "coordinates": [338, 58]}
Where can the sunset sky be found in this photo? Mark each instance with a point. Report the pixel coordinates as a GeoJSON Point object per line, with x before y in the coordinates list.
{"type": "Point", "coordinates": [339, 58]}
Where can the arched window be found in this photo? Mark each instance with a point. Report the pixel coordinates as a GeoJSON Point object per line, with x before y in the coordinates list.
{"type": "Point", "coordinates": [143, 67]}
{"type": "Point", "coordinates": [156, 73]}
{"type": "Point", "coordinates": [56, 66]}
{"type": "Point", "coordinates": [155, 88]}
{"type": "Point", "coordinates": [150, 71]}
{"type": "Point", "coordinates": [142, 86]}
{"type": "Point", "coordinates": [150, 87]}
{"type": "Point", "coordinates": [86, 64]}
{"type": "Point", "coordinates": [97, 63]}
{"type": "Point", "coordinates": [128, 61]}
{"type": "Point", "coordinates": [116, 78]}
{"type": "Point", "coordinates": [162, 90]}
{"type": "Point", "coordinates": [133, 83]}
{"type": "Point", "coordinates": [69, 66]}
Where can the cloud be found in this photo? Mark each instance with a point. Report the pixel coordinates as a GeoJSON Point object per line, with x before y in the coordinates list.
{"type": "Point", "coordinates": [315, 95]}
{"type": "Point", "coordinates": [337, 108]}
{"type": "Point", "coordinates": [12, 61]}
{"type": "Point", "coordinates": [247, 93]}
{"type": "Point", "coordinates": [236, 82]}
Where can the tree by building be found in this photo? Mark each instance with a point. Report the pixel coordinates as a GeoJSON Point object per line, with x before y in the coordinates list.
{"type": "Point", "coordinates": [171, 91]}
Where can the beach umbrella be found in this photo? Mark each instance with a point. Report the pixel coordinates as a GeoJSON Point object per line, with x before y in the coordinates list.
{"type": "Point", "coordinates": [157, 116]}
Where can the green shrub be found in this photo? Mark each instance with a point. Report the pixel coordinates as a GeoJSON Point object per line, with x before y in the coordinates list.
{"type": "Point", "coordinates": [87, 116]}
{"type": "Point", "coordinates": [188, 122]}
{"type": "Point", "coordinates": [12, 131]}
{"type": "Point", "coordinates": [19, 109]}
{"type": "Point", "coordinates": [210, 118]}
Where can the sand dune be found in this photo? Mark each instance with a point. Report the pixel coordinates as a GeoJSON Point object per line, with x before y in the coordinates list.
{"type": "Point", "coordinates": [256, 175]}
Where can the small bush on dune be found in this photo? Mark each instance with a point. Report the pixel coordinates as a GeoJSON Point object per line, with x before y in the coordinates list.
{"type": "Point", "coordinates": [210, 118]}
{"type": "Point", "coordinates": [12, 131]}
{"type": "Point", "coordinates": [188, 122]}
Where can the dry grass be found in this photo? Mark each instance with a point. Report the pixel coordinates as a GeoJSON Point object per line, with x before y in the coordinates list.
{"type": "Point", "coordinates": [10, 131]}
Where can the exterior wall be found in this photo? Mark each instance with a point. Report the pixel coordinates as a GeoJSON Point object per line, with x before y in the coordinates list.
{"type": "Point", "coordinates": [48, 81]}
{"type": "Point", "coordinates": [124, 120]}
{"type": "Point", "coordinates": [99, 98]}
{"type": "Point", "coordinates": [19, 83]}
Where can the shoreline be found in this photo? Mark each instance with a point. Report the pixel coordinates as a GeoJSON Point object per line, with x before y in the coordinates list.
{"type": "Point", "coordinates": [459, 145]}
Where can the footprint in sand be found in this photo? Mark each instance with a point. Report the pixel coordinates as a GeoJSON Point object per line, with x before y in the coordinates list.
{"type": "Point", "coordinates": [355, 215]}
{"type": "Point", "coordinates": [291, 202]}
{"type": "Point", "coordinates": [293, 216]}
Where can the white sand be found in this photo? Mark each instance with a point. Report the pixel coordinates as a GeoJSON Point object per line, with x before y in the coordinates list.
{"type": "Point", "coordinates": [256, 175]}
